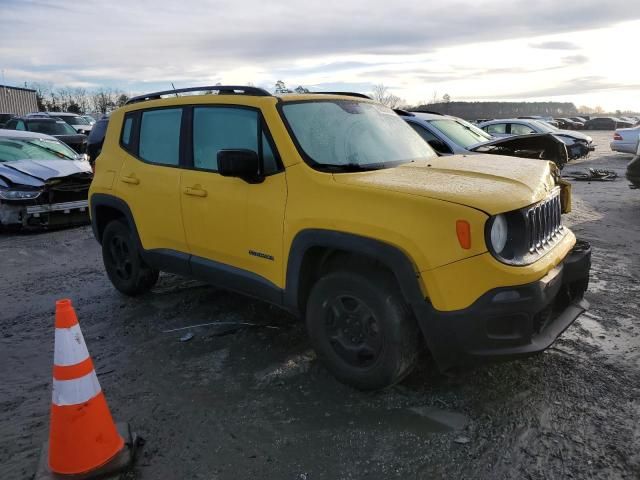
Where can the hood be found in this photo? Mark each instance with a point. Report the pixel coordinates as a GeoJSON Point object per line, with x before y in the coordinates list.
{"type": "Point", "coordinates": [36, 173]}
{"type": "Point", "coordinates": [540, 146]}
{"type": "Point", "coordinates": [491, 183]}
{"type": "Point", "coordinates": [572, 134]}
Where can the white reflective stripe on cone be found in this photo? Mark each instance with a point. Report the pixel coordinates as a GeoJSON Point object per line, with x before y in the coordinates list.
{"type": "Point", "coordinates": [73, 392]}
{"type": "Point", "coordinates": [70, 348]}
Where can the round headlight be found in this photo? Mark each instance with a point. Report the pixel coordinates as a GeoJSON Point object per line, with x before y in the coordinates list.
{"type": "Point", "coordinates": [499, 232]}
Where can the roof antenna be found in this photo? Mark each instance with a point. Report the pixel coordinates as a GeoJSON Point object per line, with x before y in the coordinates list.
{"type": "Point", "coordinates": [174, 89]}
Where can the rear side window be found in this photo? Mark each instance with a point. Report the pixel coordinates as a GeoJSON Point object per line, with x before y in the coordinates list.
{"type": "Point", "coordinates": [219, 128]}
{"type": "Point", "coordinates": [160, 136]}
{"type": "Point", "coordinates": [519, 129]}
{"type": "Point", "coordinates": [496, 128]}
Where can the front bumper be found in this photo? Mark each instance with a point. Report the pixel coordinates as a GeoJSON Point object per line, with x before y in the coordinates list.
{"type": "Point", "coordinates": [510, 322]}
{"type": "Point", "coordinates": [44, 215]}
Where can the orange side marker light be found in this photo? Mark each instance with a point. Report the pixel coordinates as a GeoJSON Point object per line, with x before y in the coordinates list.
{"type": "Point", "coordinates": [463, 230]}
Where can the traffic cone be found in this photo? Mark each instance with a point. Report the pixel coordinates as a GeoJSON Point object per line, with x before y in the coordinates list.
{"type": "Point", "coordinates": [84, 442]}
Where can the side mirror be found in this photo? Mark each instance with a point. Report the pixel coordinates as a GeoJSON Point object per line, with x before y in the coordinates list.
{"type": "Point", "coordinates": [240, 163]}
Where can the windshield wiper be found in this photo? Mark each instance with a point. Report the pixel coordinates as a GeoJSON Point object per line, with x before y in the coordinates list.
{"type": "Point", "coordinates": [348, 167]}
{"type": "Point", "coordinates": [52, 150]}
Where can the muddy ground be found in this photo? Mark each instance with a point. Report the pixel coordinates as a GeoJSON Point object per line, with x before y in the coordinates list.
{"type": "Point", "coordinates": [253, 403]}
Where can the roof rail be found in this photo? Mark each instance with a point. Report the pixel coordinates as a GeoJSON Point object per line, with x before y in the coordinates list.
{"type": "Point", "coordinates": [221, 89]}
{"type": "Point", "coordinates": [346, 94]}
{"type": "Point", "coordinates": [428, 111]}
{"type": "Point", "coordinates": [404, 113]}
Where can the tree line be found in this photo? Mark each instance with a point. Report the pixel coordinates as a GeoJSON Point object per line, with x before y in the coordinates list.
{"type": "Point", "coordinates": [104, 100]}
{"type": "Point", "coordinates": [77, 99]}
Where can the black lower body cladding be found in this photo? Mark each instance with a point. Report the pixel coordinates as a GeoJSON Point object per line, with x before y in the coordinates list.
{"type": "Point", "coordinates": [633, 172]}
{"type": "Point", "coordinates": [510, 322]}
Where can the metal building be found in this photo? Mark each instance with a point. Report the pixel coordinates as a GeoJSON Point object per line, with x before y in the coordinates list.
{"type": "Point", "coordinates": [17, 100]}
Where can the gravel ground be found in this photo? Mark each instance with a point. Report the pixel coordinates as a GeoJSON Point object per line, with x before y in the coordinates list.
{"type": "Point", "coordinates": [253, 402]}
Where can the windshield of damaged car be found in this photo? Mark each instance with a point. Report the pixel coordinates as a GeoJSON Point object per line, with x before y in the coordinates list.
{"type": "Point", "coordinates": [59, 127]}
{"type": "Point", "coordinates": [73, 120]}
{"type": "Point", "coordinates": [544, 126]}
{"type": "Point", "coordinates": [460, 132]}
{"type": "Point", "coordinates": [12, 149]}
{"type": "Point", "coordinates": [350, 135]}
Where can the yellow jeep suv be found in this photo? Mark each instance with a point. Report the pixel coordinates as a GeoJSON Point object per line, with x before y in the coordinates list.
{"type": "Point", "coordinates": [333, 208]}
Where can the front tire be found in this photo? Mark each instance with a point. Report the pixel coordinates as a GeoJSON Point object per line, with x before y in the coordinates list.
{"type": "Point", "coordinates": [125, 268]}
{"type": "Point", "coordinates": [361, 328]}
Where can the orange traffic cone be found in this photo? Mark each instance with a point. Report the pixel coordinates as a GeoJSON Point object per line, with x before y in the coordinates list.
{"type": "Point", "coordinates": [83, 439]}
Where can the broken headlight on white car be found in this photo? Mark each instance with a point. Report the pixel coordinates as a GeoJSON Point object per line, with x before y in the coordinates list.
{"type": "Point", "coordinates": [10, 194]}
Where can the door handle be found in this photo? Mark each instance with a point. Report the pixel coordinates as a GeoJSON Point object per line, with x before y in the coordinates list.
{"type": "Point", "coordinates": [130, 180]}
{"type": "Point", "coordinates": [195, 192]}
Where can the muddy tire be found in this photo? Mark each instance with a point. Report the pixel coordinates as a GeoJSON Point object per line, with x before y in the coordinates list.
{"type": "Point", "coordinates": [361, 328]}
{"type": "Point", "coordinates": [125, 268]}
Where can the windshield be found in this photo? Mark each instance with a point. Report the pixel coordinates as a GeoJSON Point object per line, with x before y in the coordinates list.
{"type": "Point", "coordinates": [48, 127]}
{"type": "Point", "coordinates": [73, 120]}
{"type": "Point", "coordinates": [12, 149]}
{"type": "Point", "coordinates": [461, 132]}
{"type": "Point", "coordinates": [348, 133]}
{"type": "Point", "coordinates": [546, 127]}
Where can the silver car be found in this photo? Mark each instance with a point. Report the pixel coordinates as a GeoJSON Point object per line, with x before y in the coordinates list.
{"type": "Point", "coordinates": [625, 140]}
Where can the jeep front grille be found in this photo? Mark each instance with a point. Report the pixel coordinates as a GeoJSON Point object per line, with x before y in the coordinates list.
{"type": "Point", "coordinates": [544, 224]}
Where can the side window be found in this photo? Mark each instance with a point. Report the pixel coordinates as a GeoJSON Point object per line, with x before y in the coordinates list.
{"type": "Point", "coordinates": [219, 128]}
{"type": "Point", "coordinates": [125, 138]}
{"type": "Point", "coordinates": [160, 136]}
{"type": "Point", "coordinates": [11, 125]}
{"type": "Point", "coordinates": [434, 142]}
{"type": "Point", "coordinates": [496, 128]}
{"type": "Point", "coordinates": [21, 125]}
{"type": "Point", "coordinates": [519, 129]}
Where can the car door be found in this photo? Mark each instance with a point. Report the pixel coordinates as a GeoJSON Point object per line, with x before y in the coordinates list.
{"type": "Point", "coordinates": [149, 180]}
{"type": "Point", "coordinates": [233, 226]}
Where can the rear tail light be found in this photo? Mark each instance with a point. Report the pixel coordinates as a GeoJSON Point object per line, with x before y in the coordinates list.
{"type": "Point", "coordinates": [617, 136]}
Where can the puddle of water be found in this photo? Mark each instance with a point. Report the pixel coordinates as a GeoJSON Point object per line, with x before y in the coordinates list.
{"type": "Point", "coordinates": [611, 343]}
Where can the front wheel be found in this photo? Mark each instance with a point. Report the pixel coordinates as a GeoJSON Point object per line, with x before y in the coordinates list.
{"type": "Point", "coordinates": [125, 268]}
{"type": "Point", "coordinates": [361, 328]}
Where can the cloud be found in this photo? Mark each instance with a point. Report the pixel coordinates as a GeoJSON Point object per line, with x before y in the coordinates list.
{"type": "Point", "coordinates": [146, 40]}
{"type": "Point", "coordinates": [555, 45]}
{"type": "Point", "coordinates": [581, 85]}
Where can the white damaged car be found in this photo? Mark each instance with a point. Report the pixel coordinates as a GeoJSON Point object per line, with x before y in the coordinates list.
{"type": "Point", "coordinates": [43, 182]}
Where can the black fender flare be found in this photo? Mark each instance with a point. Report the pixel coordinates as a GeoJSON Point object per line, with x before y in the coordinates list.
{"type": "Point", "coordinates": [105, 200]}
{"type": "Point", "coordinates": [390, 256]}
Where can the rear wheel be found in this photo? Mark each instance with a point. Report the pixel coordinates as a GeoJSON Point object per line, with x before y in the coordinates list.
{"type": "Point", "coordinates": [361, 328]}
{"type": "Point", "coordinates": [125, 268]}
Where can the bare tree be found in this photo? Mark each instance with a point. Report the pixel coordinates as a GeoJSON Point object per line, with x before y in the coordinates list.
{"type": "Point", "coordinates": [382, 95]}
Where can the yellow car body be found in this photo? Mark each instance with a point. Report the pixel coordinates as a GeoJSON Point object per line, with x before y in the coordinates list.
{"type": "Point", "coordinates": [253, 228]}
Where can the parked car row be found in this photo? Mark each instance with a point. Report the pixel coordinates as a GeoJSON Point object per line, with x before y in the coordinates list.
{"type": "Point", "coordinates": [578, 144]}
{"type": "Point", "coordinates": [53, 126]}
{"type": "Point", "coordinates": [449, 135]}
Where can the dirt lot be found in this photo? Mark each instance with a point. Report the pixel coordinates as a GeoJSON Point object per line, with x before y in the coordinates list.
{"type": "Point", "coordinates": [253, 403]}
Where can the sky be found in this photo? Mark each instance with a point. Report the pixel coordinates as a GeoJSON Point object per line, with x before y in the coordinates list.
{"type": "Point", "coordinates": [581, 51]}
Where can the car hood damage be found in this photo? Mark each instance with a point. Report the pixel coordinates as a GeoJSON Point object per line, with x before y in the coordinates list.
{"type": "Point", "coordinates": [491, 183]}
{"type": "Point", "coordinates": [540, 146]}
{"type": "Point", "coordinates": [34, 173]}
